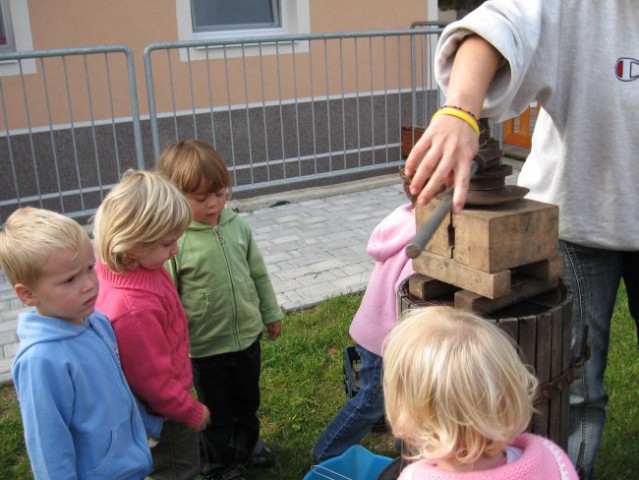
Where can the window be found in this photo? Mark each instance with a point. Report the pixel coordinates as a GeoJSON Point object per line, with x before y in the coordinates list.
{"type": "Point", "coordinates": [224, 19]}
{"type": "Point", "coordinates": [220, 19]}
{"type": "Point", "coordinates": [222, 15]}
{"type": "Point", "coordinates": [7, 43]}
{"type": "Point", "coordinates": [16, 28]}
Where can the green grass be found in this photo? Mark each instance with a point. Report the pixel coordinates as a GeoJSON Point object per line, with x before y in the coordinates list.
{"type": "Point", "coordinates": [302, 389]}
{"type": "Point", "coordinates": [14, 463]}
{"type": "Point", "coordinates": [618, 457]}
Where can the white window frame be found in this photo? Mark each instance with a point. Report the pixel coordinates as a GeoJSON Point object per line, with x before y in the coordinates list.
{"type": "Point", "coordinates": [5, 18]}
{"type": "Point", "coordinates": [295, 19]}
{"type": "Point", "coordinates": [275, 6]}
{"type": "Point", "coordinates": [17, 12]}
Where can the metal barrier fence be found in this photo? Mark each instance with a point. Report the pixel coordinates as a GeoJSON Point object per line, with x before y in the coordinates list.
{"type": "Point", "coordinates": [284, 112]}
{"type": "Point", "coordinates": [294, 109]}
{"type": "Point", "coordinates": [70, 126]}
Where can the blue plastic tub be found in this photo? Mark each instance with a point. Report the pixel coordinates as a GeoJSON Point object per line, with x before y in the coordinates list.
{"type": "Point", "coordinates": [356, 463]}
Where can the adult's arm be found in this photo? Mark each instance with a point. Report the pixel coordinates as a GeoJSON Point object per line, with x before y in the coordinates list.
{"type": "Point", "coordinates": [444, 153]}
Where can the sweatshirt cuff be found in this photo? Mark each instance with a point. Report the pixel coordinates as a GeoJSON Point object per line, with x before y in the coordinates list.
{"type": "Point", "coordinates": [194, 416]}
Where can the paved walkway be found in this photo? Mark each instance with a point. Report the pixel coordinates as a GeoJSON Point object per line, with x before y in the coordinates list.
{"type": "Point", "coordinates": [313, 242]}
{"type": "Point", "coordinates": [314, 246]}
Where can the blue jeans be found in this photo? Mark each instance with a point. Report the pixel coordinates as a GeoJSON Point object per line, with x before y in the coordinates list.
{"type": "Point", "coordinates": [359, 414]}
{"type": "Point", "coordinates": [593, 276]}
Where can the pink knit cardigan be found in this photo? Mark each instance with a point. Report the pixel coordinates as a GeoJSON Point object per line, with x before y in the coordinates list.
{"type": "Point", "coordinates": [152, 334]}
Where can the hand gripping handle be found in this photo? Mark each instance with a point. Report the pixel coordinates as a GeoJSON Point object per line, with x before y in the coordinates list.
{"type": "Point", "coordinates": [426, 231]}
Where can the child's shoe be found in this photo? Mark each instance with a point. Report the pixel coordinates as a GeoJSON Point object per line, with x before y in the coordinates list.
{"type": "Point", "coordinates": [230, 473]}
{"type": "Point", "coordinates": [261, 456]}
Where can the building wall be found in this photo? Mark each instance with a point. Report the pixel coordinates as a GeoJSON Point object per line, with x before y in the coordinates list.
{"type": "Point", "coordinates": [50, 153]}
{"type": "Point", "coordinates": [58, 24]}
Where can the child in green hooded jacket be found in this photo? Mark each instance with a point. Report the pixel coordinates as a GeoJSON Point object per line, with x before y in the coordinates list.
{"type": "Point", "coordinates": [226, 291]}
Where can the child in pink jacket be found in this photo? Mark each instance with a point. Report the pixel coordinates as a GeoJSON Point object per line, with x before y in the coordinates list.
{"type": "Point", "coordinates": [136, 231]}
{"type": "Point", "coordinates": [375, 317]}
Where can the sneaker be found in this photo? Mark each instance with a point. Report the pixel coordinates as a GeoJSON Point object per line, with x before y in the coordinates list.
{"type": "Point", "coordinates": [223, 474]}
{"type": "Point", "coordinates": [261, 456]}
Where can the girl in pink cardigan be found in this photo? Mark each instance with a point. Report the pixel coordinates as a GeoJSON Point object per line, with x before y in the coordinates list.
{"type": "Point", "coordinates": [136, 230]}
{"type": "Point", "coordinates": [459, 398]}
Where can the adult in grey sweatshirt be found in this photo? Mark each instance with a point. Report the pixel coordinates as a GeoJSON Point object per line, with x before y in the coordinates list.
{"type": "Point", "coordinates": [579, 60]}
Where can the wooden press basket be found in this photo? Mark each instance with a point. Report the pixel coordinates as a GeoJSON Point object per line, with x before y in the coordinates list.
{"type": "Point", "coordinates": [541, 327]}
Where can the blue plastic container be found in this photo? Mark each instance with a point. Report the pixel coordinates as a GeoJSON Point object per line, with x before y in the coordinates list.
{"type": "Point", "coordinates": [356, 463]}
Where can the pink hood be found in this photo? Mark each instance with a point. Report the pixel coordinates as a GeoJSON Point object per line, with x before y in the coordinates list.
{"type": "Point", "coordinates": [377, 313]}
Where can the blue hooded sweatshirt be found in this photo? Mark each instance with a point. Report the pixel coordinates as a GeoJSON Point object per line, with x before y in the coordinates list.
{"type": "Point", "coordinates": [81, 420]}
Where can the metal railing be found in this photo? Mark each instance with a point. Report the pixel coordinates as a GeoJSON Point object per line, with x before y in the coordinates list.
{"type": "Point", "coordinates": [283, 111]}
{"type": "Point", "coordinates": [68, 128]}
{"type": "Point", "coordinates": [293, 109]}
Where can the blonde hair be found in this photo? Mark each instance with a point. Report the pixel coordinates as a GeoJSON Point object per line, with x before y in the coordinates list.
{"type": "Point", "coordinates": [455, 387]}
{"type": "Point", "coordinates": [190, 162]}
{"type": "Point", "coordinates": [137, 214]}
{"type": "Point", "coordinates": [29, 236]}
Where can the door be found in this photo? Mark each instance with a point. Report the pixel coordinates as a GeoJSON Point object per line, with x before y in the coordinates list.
{"type": "Point", "coordinates": [518, 131]}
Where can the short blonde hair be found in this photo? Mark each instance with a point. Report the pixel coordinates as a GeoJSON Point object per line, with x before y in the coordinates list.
{"type": "Point", "coordinates": [190, 162]}
{"type": "Point", "coordinates": [136, 214]}
{"type": "Point", "coordinates": [29, 236]}
{"type": "Point", "coordinates": [454, 385]}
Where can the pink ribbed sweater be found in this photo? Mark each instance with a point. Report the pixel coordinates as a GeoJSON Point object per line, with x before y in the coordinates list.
{"type": "Point", "coordinates": [152, 334]}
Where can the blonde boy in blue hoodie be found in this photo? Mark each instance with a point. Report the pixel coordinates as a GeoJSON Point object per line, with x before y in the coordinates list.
{"type": "Point", "coordinates": [79, 415]}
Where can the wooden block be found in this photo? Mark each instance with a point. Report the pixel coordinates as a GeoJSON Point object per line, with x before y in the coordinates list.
{"type": "Point", "coordinates": [550, 269]}
{"type": "Point", "coordinates": [496, 238]}
{"type": "Point", "coordinates": [491, 285]}
{"type": "Point", "coordinates": [424, 287]}
{"type": "Point", "coordinates": [442, 241]}
{"type": "Point", "coordinates": [521, 287]}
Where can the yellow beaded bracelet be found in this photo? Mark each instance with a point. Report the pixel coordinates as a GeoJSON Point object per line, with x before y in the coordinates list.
{"type": "Point", "coordinates": [459, 114]}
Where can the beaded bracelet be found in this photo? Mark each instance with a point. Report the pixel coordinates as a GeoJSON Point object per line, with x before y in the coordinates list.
{"type": "Point", "coordinates": [462, 109]}
{"type": "Point", "coordinates": [466, 117]}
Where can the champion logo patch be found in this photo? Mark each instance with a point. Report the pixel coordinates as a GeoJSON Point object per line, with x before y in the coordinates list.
{"type": "Point", "coordinates": [627, 69]}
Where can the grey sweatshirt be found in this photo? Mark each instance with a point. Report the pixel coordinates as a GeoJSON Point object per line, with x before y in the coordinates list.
{"type": "Point", "coordinates": [577, 59]}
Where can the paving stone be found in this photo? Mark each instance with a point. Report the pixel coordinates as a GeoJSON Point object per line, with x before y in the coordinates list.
{"type": "Point", "coordinates": [313, 249]}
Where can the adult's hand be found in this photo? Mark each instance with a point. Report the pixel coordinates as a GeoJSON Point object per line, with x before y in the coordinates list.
{"type": "Point", "coordinates": [443, 157]}
{"type": "Point", "coordinates": [444, 153]}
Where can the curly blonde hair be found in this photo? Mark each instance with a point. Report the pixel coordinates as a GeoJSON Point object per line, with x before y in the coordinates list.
{"type": "Point", "coordinates": [455, 387]}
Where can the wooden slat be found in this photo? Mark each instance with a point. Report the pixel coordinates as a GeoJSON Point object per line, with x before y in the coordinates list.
{"type": "Point", "coordinates": [424, 287]}
{"type": "Point", "coordinates": [566, 321]}
{"type": "Point", "coordinates": [528, 339]}
{"type": "Point", "coordinates": [542, 369]}
{"type": "Point", "coordinates": [549, 269]}
{"type": "Point", "coordinates": [491, 285]}
{"type": "Point", "coordinates": [510, 326]}
{"type": "Point", "coordinates": [555, 370]}
{"type": "Point", "coordinates": [521, 288]}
